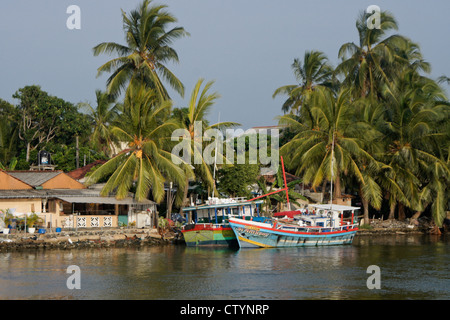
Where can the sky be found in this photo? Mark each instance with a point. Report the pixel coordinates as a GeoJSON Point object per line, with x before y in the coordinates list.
{"type": "Point", "coordinates": [245, 46]}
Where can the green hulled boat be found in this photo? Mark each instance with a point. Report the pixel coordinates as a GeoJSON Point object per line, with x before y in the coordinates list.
{"type": "Point", "coordinates": [208, 223]}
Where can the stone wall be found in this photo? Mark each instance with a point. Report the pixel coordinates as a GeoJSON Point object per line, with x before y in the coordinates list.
{"type": "Point", "coordinates": [116, 238]}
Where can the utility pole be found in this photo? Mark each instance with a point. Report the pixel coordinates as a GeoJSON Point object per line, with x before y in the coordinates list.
{"type": "Point", "coordinates": [77, 152]}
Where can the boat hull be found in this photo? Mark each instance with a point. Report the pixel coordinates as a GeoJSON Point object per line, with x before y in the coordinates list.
{"type": "Point", "coordinates": [254, 235]}
{"type": "Point", "coordinates": [209, 235]}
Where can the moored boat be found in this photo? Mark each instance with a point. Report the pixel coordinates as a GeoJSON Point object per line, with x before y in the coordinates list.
{"type": "Point", "coordinates": [325, 227]}
{"type": "Point", "coordinates": [209, 223]}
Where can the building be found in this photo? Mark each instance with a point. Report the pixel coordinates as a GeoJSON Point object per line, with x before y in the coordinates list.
{"type": "Point", "coordinates": [64, 202]}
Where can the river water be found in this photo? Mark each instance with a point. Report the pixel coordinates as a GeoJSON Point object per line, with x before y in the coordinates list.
{"type": "Point", "coordinates": [411, 267]}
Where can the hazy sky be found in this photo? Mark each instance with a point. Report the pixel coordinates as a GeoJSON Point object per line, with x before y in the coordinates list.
{"type": "Point", "coordinates": [246, 46]}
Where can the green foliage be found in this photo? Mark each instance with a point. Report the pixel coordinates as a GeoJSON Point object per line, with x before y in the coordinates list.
{"type": "Point", "coordinates": [43, 120]}
{"type": "Point", "coordinates": [146, 128]}
{"type": "Point", "coordinates": [384, 128]}
{"type": "Point", "coordinates": [33, 220]}
{"type": "Point", "coordinates": [235, 180]}
{"type": "Point", "coordinates": [146, 52]}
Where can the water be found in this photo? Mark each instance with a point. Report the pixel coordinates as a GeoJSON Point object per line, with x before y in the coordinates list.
{"type": "Point", "coordinates": [412, 267]}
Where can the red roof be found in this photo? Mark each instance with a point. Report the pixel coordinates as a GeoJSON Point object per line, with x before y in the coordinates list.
{"type": "Point", "coordinates": [80, 173]}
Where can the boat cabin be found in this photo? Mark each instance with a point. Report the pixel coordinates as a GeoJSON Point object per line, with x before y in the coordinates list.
{"type": "Point", "coordinates": [328, 215]}
{"type": "Point", "coordinates": [217, 210]}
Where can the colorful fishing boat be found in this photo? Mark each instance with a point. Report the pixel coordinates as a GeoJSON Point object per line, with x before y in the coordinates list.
{"type": "Point", "coordinates": [209, 223]}
{"type": "Point", "coordinates": [327, 226]}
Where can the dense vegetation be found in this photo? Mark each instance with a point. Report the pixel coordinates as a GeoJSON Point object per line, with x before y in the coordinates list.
{"type": "Point", "coordinates": [376, 124]}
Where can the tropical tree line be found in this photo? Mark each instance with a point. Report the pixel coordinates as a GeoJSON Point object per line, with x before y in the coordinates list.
{"type": "Point", "coordinates": [376, 125]}
{"type": "Point", "coordinates": [130, 124]}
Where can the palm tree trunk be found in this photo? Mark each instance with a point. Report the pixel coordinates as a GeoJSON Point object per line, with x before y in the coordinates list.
{"type": "Point", "coordinates": [416, 215]}
{"type": "Point", "coordinates": [365, 203]}
{"type": "Point", "coordinates": [186, 189]}
{"type": "Point", "coordinates": [401, 211]}
{"type": "Point", "coordinates": [169, 204]}
{"type": "Point", "coordinates": [392, 211]}
{"type": "Point", "coordinates": [324, 185]}
{"type": "Point", "coordinates": [337, 186]}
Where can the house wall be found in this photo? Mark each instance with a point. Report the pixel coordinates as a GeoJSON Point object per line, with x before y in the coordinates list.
{"type": "Point", "coordinates": [54, 217]}
{"type": "Point", "coordinates": [8, 182]}
{"type": "Point", "coordinates": [22, 205]}
{"type": "Point", "coordinates": [62, 181]}
{"type": "Point", "coordinates": [87, 221]}
{"type": "Point", "coordinates": [343, 201]}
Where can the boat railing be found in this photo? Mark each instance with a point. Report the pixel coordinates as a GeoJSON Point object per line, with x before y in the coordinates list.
{"type": "Point", "coordinates": [315, 229]}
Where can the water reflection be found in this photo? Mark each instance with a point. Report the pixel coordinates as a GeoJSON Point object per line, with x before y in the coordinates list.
{"type": "Point", "coordinates": [412, 267]}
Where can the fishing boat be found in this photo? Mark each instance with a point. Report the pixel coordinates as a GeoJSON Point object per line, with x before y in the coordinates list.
{"type": "Point", "coordinates": [208, 224]}
{"type": "Point", "coordinates": [325, 226]}
{"type": "Point", "coordinates": [295, 228]}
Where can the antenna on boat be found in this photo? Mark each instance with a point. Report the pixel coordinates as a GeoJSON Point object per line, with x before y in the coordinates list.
{"type": "Point", "coordinates": [215, 162]}
{"type": "Point", "coordinates": [285, 185]}
{"type": "Point", "coordinates": [332, 172]}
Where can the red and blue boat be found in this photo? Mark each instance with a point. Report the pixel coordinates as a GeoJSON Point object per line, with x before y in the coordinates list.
{"type": "Point", "coordinates": [295, 228]}
{"type": "Point", "coordinates": [326, 226]}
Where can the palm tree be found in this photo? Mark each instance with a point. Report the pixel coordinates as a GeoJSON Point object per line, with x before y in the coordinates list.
{"type": "Point", "coordinates": [313, 71]}
{"type": "Point", "coordinates": [327, 144]}
{"type": "Point", "coordinates": [146, 164]}
{"type": "Point", "coordinates": [417, 133]}
{"type": "Point", "coordinates": [195, 114]}
{"type": "Point", "coordinates": [364, 66]}
{"type": "Point", "coordinates": [102, 118]}
{"type": "Point", "coordinates": [147, 50]}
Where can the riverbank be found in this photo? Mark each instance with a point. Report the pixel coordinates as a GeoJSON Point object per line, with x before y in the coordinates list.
{"type": "Point", "coordinates": [127, 237]}
{"type": "Point", "coordinates": [407, 226]}
{"type": "Point", "coordinates": [110, 238]}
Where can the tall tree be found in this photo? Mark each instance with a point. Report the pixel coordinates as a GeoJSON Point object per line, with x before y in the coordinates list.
{"type": "Point", "coordinates": [146, 53]}
{"type": "Point", "coordinates": [43, 118]}
{"type": "Point", "coordinates": [145, 126]}
{"type": "Point", "coordinates": [8, 132]}
{"type": "Point", "coordinates": [363, 64]}
{"type": "Point", "coordinates": [102, 117]}
{"type": "Point", "coordinates": [417, 117]}
{"type": "Point", "coordinates": [314, 70]}
{"type": "Point", "coordinates": [200, 104]}
{"type": "Point", "coordinates": [326, 145]}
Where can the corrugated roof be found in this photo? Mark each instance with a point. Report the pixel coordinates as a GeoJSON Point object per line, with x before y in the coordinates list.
{"type": "Point", "coordinates": [107, 200]}
{"type": "Point", "coordinates": [34, 178]}
{"type": "Point", "coordinates": [69, 195]}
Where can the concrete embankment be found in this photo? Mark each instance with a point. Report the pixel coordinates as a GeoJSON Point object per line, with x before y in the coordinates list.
{"type": "Point", "coordinates": [115, 238]}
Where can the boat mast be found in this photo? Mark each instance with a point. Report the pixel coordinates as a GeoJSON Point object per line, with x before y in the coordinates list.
{"type": "Point", "coordinates": [332, 173]}
{"type": "Point", "coordinates": [215, 161]}
{"type": "Point", "coordinates": [285, 185]}
{"type": "Point", "coordinates": [281, 190]}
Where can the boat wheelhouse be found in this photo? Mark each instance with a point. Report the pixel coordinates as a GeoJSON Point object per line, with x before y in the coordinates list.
{"type": "Point", "coordinates": [208, 224]}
